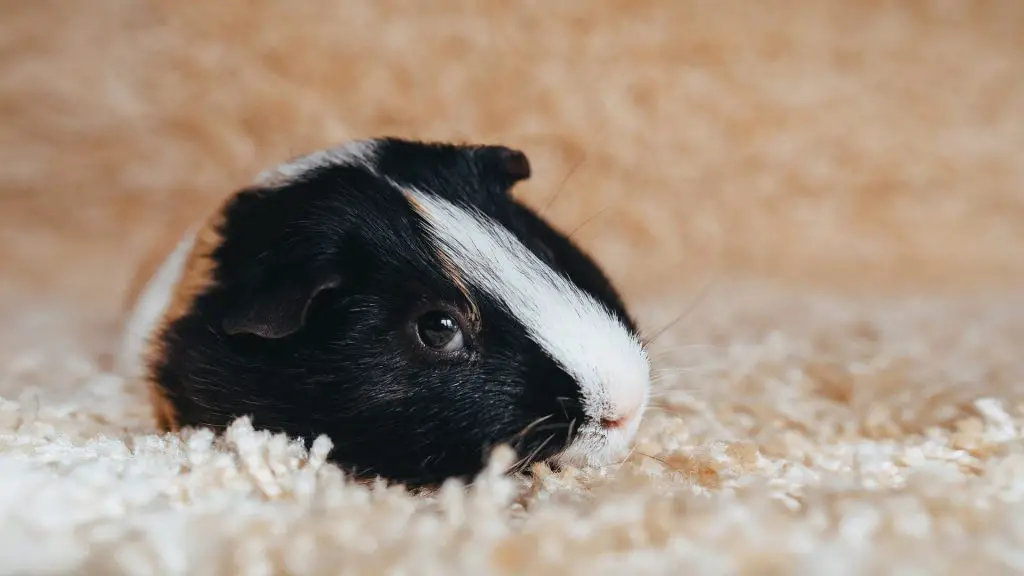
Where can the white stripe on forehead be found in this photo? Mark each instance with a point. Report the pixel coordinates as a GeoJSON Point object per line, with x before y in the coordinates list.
{"type": "Point", "coordinates": [576, 330]}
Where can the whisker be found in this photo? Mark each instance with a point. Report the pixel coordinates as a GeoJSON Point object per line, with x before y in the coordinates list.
{"type": "Point", "coordinates": [561, 402]}
{"type": "Point", "coordinates": [703, 368]}
{"type": "Point", "coordinates": [660, 399]}
{"type": "Point", "coordinates": [684, 369]}
{"type": "Point", "coordinates": [624, 460]}
{"type": "Point", "coordinates": [546, 427]}
{"type": "Point", "coordinates": [652, 339]}
{"type": "Point", "coordinates": [692, 345]}
{"type": "Point", "coordinates": [700, 298]}
{"type": "Point", "coordinates": [664, 393]}
{"type": "Point", "coordinates": [663, 409]}
{"type": "Point", "coordinates": [561, 186]}
{"type": "Point", "coordinates": [661, 352]}
{"type": "Point", "coordinates": [525, 461]}
{"type": "Point", "coordinates": [671, 410]}
{"type": "Point", "coordinates": [663, 462]}
{"type": "Point", "coordinates": [530, 426]}
{"type": "Point", "coordinates": [588, 221]}
{"type": "Point", "coordinates": [669, 381]}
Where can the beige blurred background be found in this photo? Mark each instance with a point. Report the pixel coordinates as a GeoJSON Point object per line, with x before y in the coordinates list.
{"type": "Point", "coordinates": [854, 145]}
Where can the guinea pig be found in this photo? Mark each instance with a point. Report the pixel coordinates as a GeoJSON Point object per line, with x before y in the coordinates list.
{"type": "Point", "coordinates": [393, 295]}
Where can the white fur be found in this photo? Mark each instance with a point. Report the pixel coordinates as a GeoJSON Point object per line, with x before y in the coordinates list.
{"type": "Point", "coordinates": [149, 308]}
{"type": "Point", "coordinates": [350, 153]}
{"type": "Point", "coordinates": [577, 331]}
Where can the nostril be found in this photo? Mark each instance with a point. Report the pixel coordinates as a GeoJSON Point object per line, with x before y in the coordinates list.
{"type": "Point", "coordinates": [619, 419]}
{"type": "Point", "coordinates": [612, 423]}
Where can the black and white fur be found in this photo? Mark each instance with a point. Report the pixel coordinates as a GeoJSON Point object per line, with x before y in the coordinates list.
{"type": "Point", "coordinates": [332, 267]}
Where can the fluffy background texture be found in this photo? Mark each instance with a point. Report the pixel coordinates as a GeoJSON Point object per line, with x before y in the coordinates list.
{"type": "Point", "coordinates": [846, 398]}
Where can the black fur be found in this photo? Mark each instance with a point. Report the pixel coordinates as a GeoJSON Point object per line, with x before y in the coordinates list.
{"type": "Point", "coordinates": [307, 326]}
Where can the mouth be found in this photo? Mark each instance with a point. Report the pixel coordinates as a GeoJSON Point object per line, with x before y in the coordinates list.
{"type": "Point", "coordinates": [591, 445]}
{"type": "Point", "coordinates": [595, 447]}
{"type": "Point", "coordinates": [599, 446]}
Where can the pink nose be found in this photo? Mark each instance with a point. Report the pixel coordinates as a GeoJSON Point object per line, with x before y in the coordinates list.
{"type": "Point", "coordinates": [619, 419]}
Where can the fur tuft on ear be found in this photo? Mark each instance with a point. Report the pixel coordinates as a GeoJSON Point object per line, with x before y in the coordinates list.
{"type": "Point", "coordinates": [275, 308]}
{"type": "Point", "coordinates": [506, 165]}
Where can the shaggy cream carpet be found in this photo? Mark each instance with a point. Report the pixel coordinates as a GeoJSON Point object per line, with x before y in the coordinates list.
{"type": "Point", "coordinates": [846, 398]}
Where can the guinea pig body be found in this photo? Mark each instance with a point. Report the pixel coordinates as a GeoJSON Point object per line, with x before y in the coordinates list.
{"type": "Point", "coordinates": [393, 295]}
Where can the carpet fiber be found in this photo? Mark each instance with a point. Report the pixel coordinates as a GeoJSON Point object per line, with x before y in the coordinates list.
{"type": "Point", "coordinates": [831, 193]}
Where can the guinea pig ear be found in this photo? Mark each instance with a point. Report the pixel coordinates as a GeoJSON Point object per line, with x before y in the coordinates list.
{"type": "Point", "coordinates": [504, 165]}
{"type": "Point", "coordinates": [276, 305]}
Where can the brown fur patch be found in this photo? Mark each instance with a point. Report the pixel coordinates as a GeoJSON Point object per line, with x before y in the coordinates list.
{"type": "Point", "coordinates": [450, 270]}
{"type": "Point", "coordinates": [453, 275]}
{"type": "Point", "coordinates": [147, 266]}
{"type": "Point", "coordinates": [196, 276]}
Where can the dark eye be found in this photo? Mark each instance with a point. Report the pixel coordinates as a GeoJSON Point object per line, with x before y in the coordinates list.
{"type": "Point", "coordinates": [439, 330]}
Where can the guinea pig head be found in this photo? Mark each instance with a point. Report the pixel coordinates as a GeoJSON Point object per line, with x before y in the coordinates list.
{"type": "Point", "coordinates": [395, 296]}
